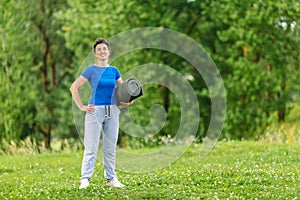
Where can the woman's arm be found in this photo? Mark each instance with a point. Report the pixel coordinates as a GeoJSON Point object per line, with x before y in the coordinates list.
{"type": "Point", "coordinates": [119, 80]}
{"type": "Point", "coordinates": [80, 81]}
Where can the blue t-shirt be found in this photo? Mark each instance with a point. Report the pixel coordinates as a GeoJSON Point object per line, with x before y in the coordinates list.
{"type": "Point", "coordinates": [103, 83]}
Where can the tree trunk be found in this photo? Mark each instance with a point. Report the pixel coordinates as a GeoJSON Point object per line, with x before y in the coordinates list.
{"type": "Point", "coordinates": [47, 136]}
{"type": "Point", "coordinates": [166, 99]}
{"type": "Point", "coordinates": [281, 111]}
{"type": "Point", "coordinates": [281, 115]}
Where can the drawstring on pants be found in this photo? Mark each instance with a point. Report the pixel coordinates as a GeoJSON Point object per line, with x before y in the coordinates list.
{"type": "Point", "coordinates": [107, 112]}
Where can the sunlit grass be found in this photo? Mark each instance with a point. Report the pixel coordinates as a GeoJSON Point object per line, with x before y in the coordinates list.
{"type": "Point", "coordinates": [286, 132]}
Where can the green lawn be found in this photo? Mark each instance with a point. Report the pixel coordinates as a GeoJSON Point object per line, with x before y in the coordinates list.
{"type": "Point", "coordinates": [233, 170]}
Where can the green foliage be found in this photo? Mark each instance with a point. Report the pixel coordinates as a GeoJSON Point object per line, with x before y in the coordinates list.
{"type": "Point", "coordinates": [263, 171]}
{"type": "Point", "coordinates": [254, 48]}
{"type": "Point", "coordinates": [255, 45]}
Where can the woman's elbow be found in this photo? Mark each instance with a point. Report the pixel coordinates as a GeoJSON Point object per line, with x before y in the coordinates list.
{"type": "Point", "coordinates": [72, 88]}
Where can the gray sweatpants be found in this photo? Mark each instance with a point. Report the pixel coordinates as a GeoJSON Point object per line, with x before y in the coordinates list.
{"type": "Point", "coordinates": [104, 119]}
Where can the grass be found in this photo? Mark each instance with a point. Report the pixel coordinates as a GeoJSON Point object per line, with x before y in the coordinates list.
{"type": "Point", "coordinates": [233, 170]}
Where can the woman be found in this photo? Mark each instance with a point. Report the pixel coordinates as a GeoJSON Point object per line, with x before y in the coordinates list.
{"type": "Point", "coordinates": [102, 114]}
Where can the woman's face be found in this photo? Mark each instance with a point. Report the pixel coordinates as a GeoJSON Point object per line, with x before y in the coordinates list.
{"type": "Point", "coordinates": [102, 52]}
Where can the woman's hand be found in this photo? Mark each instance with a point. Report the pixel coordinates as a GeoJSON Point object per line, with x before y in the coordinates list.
{"type": "Point", "coordinates": [89, 108]}
{"type": "Point", "coordinates": [126, 104]}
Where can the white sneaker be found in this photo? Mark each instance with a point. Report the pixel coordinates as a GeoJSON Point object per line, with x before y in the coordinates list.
{"type": "Point", "coordinates": [114, 183]}
{"type": "Point", "coordinates": [84, 183]}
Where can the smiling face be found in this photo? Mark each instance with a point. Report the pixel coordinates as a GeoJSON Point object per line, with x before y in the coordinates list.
{"type": "Point", "coordinates": [101, 51]}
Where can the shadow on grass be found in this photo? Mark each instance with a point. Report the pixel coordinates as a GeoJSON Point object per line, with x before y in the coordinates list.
{"type": "Point", "coordinates": [2, 171]}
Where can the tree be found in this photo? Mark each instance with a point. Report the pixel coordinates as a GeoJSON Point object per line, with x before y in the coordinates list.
{"type": "Point", "coordinates": [54, 62]}
{"type": "Point", "coordinates": [46, 67]}
{"type": "Point", "coordinates": [17, 83]}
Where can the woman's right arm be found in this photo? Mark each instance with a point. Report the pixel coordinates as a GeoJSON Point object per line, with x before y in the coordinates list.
{"type": "Point", "coordinates": [80, 81]}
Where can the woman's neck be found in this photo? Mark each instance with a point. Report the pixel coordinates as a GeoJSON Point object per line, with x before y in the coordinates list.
{"type": "Point", "coordinates": [102, 63]}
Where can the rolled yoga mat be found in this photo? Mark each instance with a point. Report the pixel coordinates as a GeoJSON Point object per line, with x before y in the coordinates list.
{"type": "Point", "coordinates": [129, 90]}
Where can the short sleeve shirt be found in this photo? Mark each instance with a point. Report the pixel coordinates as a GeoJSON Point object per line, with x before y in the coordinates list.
{"type": "Point", "coordinates": [103, 83]}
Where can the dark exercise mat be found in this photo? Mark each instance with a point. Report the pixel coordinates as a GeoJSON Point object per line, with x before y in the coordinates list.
{"type": "Point", "coordinates": [129, 90]}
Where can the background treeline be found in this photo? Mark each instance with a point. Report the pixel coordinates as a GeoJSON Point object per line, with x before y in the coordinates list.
{"type": "Point", "coordinates": [255, 45]}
